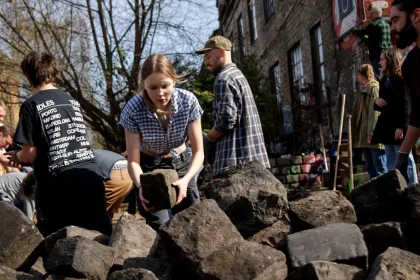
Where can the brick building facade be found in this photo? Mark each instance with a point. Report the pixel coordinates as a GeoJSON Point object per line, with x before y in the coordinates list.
{"type": "Point", "coordinates": [307, 51]}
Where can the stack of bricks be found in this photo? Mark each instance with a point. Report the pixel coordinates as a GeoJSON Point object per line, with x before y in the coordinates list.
{"type": "Point", "coordinates": [297, 170]}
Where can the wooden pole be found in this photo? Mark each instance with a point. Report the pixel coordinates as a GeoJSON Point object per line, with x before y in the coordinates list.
{"type": "Point", "coordinates": [339, 141]}
{"type": "Point", "coordinates": [323, 148]}
{"type": "Point", "coordinates": [350, 154]}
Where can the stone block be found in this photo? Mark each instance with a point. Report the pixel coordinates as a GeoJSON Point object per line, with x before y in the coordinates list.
{"type": "Point", "coordinates": [251, 196]}
{"type": "Point", "coordinates": [71, 231]}
{"type": "Point", "coordinates": [59, 277]}
{"type": "Point", "coordinates": [309, 159]}
{"type": "Point", "coordinates": [285, 170]}
{"type": "Point", "coordinates": [19, 239]}
{"type": "Point", "coordinates": [244, 260]}
{"type": "Point", "coordinates": [6, 273]}
{"type": "Point", "coordinates": [38, 269]}
{"type": "Point", "coordinates": [381, 199]}
{"type": "Point", "coordinates": [282, 179]}
{"type": "Point", "coordinates": [295, 169]}
{"type": "Point", "coordinates": [161, 267]}
{"type": "Point", "coordinates": [275, 171]}
{"type": "Point", "coordinates": [341, 243]}
{"type": "Point", "coordinates": [379, 237]}
{"type": "Point", "coordinates": [193, 234]}
{"type": "Point", "coordinates": [304, 178]}
{"type": "Point", "coordinates": [305, 168]}
{"type": "Point", "coordinates": [320, 209]}
{"type": "Point", "coordinates": [290, 179]}
{"type": "Point", "coordinates": [273, 162]}
{"type": "Point", "coordinates": [395, 263]}
{"type": "Point", "coordinates": [274, 235]}
{"type": "Point", "coordinates": [132, 238]}
{"type": "Point", "coordinates": [296, 160]}
{"type": "Point", "coordinates": [323, 270]}
{"type": "Point", "coordinates": [80, 257]}
{"type": "Point", "coordinates": [157, 188]}
{"type": "Point", "coordinates": [284, 161]}
{"type": "Point", "coordinates": [133, 274]}
{"type": "Point", "coordinates": [412, 228]}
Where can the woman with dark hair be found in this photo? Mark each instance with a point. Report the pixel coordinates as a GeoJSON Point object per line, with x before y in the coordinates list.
{"type": "Point", "coordinates": [52, 133]}
{"type": "Point", "coordinates": [157, 123]}
{"type": "Point", "coordinates": [393, 103]}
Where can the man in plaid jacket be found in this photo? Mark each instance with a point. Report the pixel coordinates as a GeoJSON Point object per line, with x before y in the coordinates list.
{"type": "Point", "coordinates": [236, 133]}
{"type": "Point", "coordinates": [378, 37]}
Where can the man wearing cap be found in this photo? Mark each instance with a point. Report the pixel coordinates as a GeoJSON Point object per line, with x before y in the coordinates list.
{"type": "Point", "coordinates": [236, 133]}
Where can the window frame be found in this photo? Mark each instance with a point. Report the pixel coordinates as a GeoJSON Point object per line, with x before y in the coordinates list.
{"type": "Point", "coordinates": [253, 23]}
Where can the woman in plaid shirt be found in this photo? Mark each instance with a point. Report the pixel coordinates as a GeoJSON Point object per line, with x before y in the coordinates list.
{"type": "Point", "coordinates": [157, 123]}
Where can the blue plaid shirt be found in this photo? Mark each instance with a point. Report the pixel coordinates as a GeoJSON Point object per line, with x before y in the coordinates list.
{"type": "Point", "coordinates": [138, 117]}
{"type": "Point", "coordinates": [236, 116]}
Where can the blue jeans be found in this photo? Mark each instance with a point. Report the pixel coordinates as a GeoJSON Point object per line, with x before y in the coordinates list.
{"type": "Point", "coordinates": [180, 165]}
{"type": "Point", "coordinates": [375, 161]}
{"type": "Point", "coordinates": [391, 156]}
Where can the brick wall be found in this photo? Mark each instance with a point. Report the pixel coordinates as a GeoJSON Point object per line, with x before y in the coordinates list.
{"type": "Point", "coordinates": [291, 24]}
{"type": "Point", "coordinates": [298, 170]}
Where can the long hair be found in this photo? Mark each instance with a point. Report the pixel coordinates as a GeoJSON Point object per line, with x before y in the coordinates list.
{"type": "Point", "coordinates": [394, 61]}
{"type": "Point", "coordinates": [156, 63]}
{"type": "Point", "coordinates": [366, 71]}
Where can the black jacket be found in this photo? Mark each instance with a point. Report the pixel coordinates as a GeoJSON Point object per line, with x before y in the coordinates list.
{"type": "Point", "coordinates": [395, 114]}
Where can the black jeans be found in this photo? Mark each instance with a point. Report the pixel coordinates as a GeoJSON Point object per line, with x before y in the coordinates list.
{"type": "Point", "coordinates": [180, 165]}
{"type": "Point", "coordinates": [74, 197]}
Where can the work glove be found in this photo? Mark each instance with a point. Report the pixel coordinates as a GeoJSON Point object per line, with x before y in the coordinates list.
{"type": "Point", "coordinates": [402, 164]}
{"type": "Point", "coordinates": [209, 149]}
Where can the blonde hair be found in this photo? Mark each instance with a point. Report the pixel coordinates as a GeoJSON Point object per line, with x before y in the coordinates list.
{"type": "Point", "coordinates": [394, 62]}
{"type": "Point", "coordinates": [366, 70]}
{"type": "Point", "coordinates": [156, 63]}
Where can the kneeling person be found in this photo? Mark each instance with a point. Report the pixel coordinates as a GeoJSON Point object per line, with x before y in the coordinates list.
{"type": "Point", "coordinates": [118, 183]}
{"type": "Point", "coordinates": [17, 189]}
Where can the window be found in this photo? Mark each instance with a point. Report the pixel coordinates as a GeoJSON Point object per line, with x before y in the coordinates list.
{"type": "Point", "coordinates": [268, 9]}
{"type": "Point", "coordinates": [296, 66]}
{"type": "Point", "coordinates": [241, 35]}
{"type": "Point", "coordinates": [233, 50]}
{"type": "Point", "coordinates": [276, 82]}
{"type": "Point", "coordinates": [252, 20]}
{"type": "Point", "coordinates": [318, 64]}
{"type": "Point", "coordinates": [288, 119]}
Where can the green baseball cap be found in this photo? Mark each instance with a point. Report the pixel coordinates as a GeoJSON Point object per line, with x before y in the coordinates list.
{"type": "Point", "coordinates": [216, 42]}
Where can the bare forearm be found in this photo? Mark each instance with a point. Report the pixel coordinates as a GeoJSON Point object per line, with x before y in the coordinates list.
{"type": "Point", "coordinates": [195, 165]}
{"type": "Point", "coordinates": [135, 171]}
{"type": "Point", "coordinates": [25, 157]}
{"type": "Point", "coordinates": [413, 134]}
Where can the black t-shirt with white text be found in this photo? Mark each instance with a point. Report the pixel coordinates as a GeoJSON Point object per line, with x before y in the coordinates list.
{"type": "Point", "coordinates": [52, 121]}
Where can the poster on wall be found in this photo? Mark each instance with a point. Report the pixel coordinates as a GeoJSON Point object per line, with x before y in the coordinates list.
{"type": "Point", "coordinates": [345, 18]}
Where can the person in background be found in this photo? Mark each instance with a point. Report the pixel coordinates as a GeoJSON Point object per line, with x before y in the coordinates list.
{"type": "Point", "coordinates": [17, 189]}
{"type": "Point", "coordinates": [393, 104]}
{"type": "Point", "coordinates": [405, 18]}
{"type": "Point", "coordinates": [118, 184]}
{"type": "Point", "coordinates": [157, 123]}
{"type": "Point", "coordinates": [2, 112]}
{"type": "Point", "coordinates": [6, 139]}
{"type": "Point", "coordinates": [236, 137]}
{"type": "Point", "coordinates": [378, 37]}
{"type": "Point", "coordinates": [364, 121]}
{"type": "Point", "coordinates": [52, 133]}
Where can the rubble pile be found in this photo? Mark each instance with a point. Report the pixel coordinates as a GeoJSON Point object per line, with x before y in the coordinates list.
{"type": "Point", "coordinates": [245, 229]}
